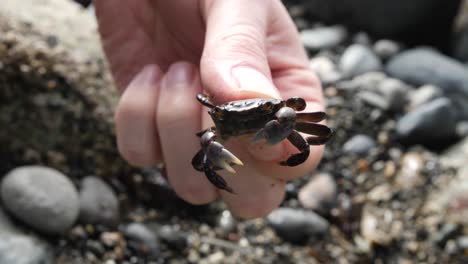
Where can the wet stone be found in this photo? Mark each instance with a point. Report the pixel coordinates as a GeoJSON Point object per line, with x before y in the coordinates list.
{"type": "Point", "coordinates": [22, 249]}
{"type": "Point", "coordinates": [357, 60]}
{"type": "Point", "coordinates": [431, 124]}
{"type": "Point", "coordinates": [423, 95]}
{"type": "Point", "coordinates": [319, 193]}
{"type": "Point", "coordinates": [323, 37]}
{"type": "Point", "coordinates": [409, 176]}
{"type": "Point", "coordinates": [325, 69]}
{"type": "Point", "coordinates": [143, 235]}
{"type": "Point", "coordinates": [227, 222]}
{"type": "Point", "coordinates": [41, 197]}
{"type": "Point", "coordinates": [359, 144]}
{"type": "Point", "coordinates": [417, 67]}
{"type": "Point", "coordinates": [172, 237]}
{"type": "Point", "coordinates": [297, 225]}
{"type": "Point", "coordinates": [394, 92]}
{"type": "Point", "coordinates": [98, 202]}
{"type": "Point", "coordinates": [386, 48]}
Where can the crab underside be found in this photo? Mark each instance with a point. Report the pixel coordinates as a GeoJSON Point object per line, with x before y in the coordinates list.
{"type": "Point", "coordinates": [271, 120]}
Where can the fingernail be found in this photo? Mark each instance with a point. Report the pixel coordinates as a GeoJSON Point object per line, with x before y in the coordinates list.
{"type": "Point", "coordinates": [253, 81]}
{"type": "Point", "coordinates": [179, 75]}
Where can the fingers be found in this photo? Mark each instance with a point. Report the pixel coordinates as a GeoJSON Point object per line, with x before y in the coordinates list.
{"type": "Point", "coordinates": [178, 119]}
{"type": "Point", "coordinates": [137, 136]}
{"type": "Point", "coordinates": [234, 64]}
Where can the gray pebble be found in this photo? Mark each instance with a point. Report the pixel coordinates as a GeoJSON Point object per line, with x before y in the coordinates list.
{"type": "Point", "coordinates": [296, 225]}
{"type": "Point", "coordinates": [319, 193]}
{"type": "Point", "coordinates": [17, 246]}
{"type": "Point", "coordinates": [395, 93]}
{"type": "Point", "coordinates": [227, 222]}
{"type": "Point", "coordinates": [325, 69]}
{"type": "Point", "coordinates": [41, 197]}
{"type": "Point", "coordinates": [98, 202]}
{"type": "Point", "coordinates": [358, 59]}
{"type": "Point", "coordinates": [22, 249]}
{"type": "Point", "coordinates": [374, 99]}
{"type": "Point", "coordinates": [359, 144]}
{"type": "Point", "coordinates": [431, 124]}
{"type": "Point", "coordinates": [323, 37]}
{"type": "Point", "coordinates": [386, 48]}
{"type": "Point", "coordinates": [462, 243]}
{"type": "Point", "coordinates": [142, 234]}
{"type": "Point", "coordinates": [172, 237]}
{"type": "Point", "coordinates": [421, 66]}
{"type": "Point", "coordinates": [424, 94]}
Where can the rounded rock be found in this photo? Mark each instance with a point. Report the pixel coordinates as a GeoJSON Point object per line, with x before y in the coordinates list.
{"type": "Point", "coordinates": [358, 59]}
{"type": "Point", "coordinates": [432, 124]}
{"type": "Point", "coordinates": [422, 66]}
{"type": "Point", "coordinates": [359, 144]}
{"type": "Point", "coordinates": [41, 197]}
{"type": "Point", "coordinates": [142, 234]}
{"type": "Point", "coordinates": [323, 37]}
{"type": "Point", "coordinates": [296, 225]}
{"type": "Point", "coordinates": [22, 249]}
{"type": "Point", "coordinates": [319, 192]}
{"type": "Point", "coordinates": [386, 48]}
{"type": "Point", "coordinates": [98, 202]}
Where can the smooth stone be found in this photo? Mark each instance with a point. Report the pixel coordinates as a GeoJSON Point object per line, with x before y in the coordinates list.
{"type": "Point", "coordinates": [319, 193]}
{"type": "Point", "coordinates": [368, 82]}
{"type": "Point", "coordinates": [22, 249]}
{"type": "Point", "coordinates": [395, 93]}
{"type": "Point", "coordinates": [142, 234]}
{"type": "Point", "coordinates": [358, 59]}
{"type": "Point", "coordinates": [423, 95]}
{"type": "Point", "coordinates": [374, 99]}
{"type": "Point", "coordinates": [98, 202]}
{"type": "Point", "coordinates": [227, 222]}
{"type": "Point", "coordinates": [457, 155]}
{"type": "Point", "coordinates": [409, 176]}
{"type": "Point", "coordinates": [323, 37]}
{"type": "Point", "coordinates": [325, 69]}
{"type": "Point", "coordinates": [385, 48]}
{"type": "Point", "coordinates": [462, 129]}
{"type": "Point", "coordinates": [462, 243]}
{"type": "Point", "coordinates": [172, 237]}
{"type": "Point", "coordinates": [41, 197]}
{"type": "Point", "coordinates": [17, 246]}
{"type": "Point", "coordinates": [432, 124]}
{"type": "Point", "coordinates": [359, 144]}
{"type": "Point", "coordinates": [296, 225]}
{"type": "Point", "coordinates": [420, 66]}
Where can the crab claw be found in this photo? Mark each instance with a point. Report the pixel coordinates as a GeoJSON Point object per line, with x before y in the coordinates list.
{"type": "Point", "coordinates": [221, 157]}
{"type": "Point", "coordinates": [274, 132]}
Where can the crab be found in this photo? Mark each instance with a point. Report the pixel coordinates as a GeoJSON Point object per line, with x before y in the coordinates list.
{"type": "Point", "coordinates": [269, 119]}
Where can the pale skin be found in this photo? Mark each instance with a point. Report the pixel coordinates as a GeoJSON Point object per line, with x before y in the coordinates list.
{"type": "Point", "coordinates": [162, 53]}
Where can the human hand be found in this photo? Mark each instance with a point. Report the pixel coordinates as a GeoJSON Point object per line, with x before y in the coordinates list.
{"type": "Point", "coordinates": [162, 53]}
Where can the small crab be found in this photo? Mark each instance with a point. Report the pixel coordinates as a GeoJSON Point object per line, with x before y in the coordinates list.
{"type": "Point", "coordinates": [270, 119]}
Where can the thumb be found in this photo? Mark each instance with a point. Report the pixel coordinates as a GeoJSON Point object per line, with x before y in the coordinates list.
{"type": "Point", "coordinates": [234, 64]}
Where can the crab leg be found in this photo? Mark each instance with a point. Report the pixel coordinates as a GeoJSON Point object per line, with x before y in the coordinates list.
{"type": "Point", "coordinates": [301, 144]}
{"type": "Point", "coordinates": [311, 117]}
{"type": "Point", "coordinates": [314, 129]}
{"type": "Point", "coordinates": [217, 180]}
